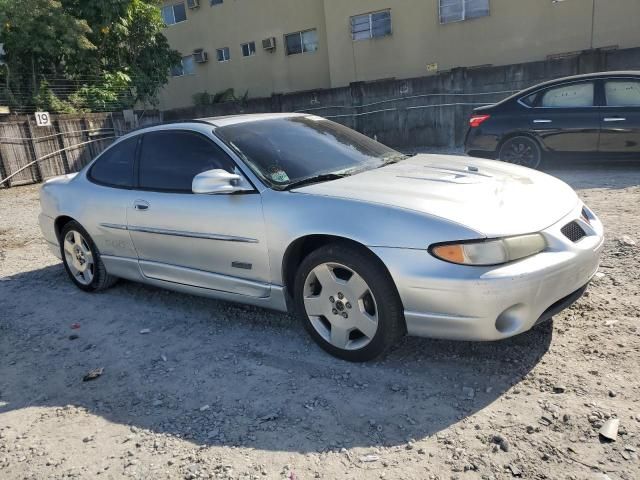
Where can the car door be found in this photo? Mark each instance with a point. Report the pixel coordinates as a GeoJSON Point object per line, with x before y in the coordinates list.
{"type": "Point", "coordinates": [566, 119]}
{"type": "Point", "coordinates": [107, 202]}
{"type": "Point", "coordinates": [620, 127]}
{"type": "Point", "coordinates": [209, 241]}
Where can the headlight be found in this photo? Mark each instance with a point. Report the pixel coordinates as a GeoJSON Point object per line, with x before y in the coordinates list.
{"type": "Point", "coordinates": [489, 252]}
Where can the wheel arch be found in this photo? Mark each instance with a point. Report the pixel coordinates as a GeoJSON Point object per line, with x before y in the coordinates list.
{"type": "Point", "coordinates": [59, 224]}
{"type": "Point", "coordinates": [520, 133]}
{"type": "Point", "coordinates": [298, 250]}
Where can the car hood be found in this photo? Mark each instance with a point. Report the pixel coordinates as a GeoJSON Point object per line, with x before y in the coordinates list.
{"type": "Point", "coordinates": [490, 197]}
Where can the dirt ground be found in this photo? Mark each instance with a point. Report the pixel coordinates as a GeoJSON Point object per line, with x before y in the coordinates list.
{"type": "Point", "coordinates": [217, 390]}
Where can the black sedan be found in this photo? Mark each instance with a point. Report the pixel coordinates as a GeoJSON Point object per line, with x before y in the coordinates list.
{"type": "Point", "coordinates": [580, 117]}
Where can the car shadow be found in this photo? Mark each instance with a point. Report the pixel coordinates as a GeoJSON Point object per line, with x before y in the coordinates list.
{"type": "Point", "coordinates": [217, 373]}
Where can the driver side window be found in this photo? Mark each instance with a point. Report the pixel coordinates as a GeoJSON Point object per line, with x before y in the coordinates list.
{"type": "Point", "coordinates": [170, 159]}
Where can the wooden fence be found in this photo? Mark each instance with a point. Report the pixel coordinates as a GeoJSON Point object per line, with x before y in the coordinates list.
{"type": "Point", "coordinates": [64, 147]}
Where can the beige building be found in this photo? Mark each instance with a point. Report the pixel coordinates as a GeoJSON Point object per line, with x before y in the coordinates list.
{"type": "Point", "coordinates": [279, 46]}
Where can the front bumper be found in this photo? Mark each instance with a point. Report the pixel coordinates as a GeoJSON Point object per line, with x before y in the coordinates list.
{"type": "Point", "coordinates": [460, 302]}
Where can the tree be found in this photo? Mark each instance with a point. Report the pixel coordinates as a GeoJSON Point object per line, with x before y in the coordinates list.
{"type": "Point", "coordinates": [84, 55]}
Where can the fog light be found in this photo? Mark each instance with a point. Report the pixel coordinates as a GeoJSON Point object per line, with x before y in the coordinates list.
{"type": "Point", "coordinates": [512, 319]}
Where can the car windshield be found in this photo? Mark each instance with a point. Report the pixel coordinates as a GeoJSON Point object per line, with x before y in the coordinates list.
{"type": "Point", "coordinates": [292, 151]}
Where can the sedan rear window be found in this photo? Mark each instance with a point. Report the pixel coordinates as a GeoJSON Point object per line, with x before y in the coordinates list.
{"type": "Point", "coordinates": [115, 166]}
{"type": "Point", "coordinates": [575, 95]}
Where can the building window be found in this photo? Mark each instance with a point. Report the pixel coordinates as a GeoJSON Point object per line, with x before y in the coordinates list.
{"type": "Point", "coordinates": [248, 49]}
{"type": "Point", "coordinates": [223, 54]}
{"type": "Point", "coordinates": [371, 25]}
{"type": "Point", "coordinates": [459, 10]}
{"type": "Point", "coordinates": [301, 42]}
{"type": "Point", "coordinates": [216, 2]}
{"type": "Point", "coordinates": [172, 14]}
{"type": "Point", "coordinates": [187, 66]}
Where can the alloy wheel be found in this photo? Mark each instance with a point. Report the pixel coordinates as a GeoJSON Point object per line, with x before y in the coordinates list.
{"type": "Point", "coordinates": [521, 151]}
{"type": "Point", "coordinates": [340, 306]}
{"type": "Point", "coordinates": [78, 257]}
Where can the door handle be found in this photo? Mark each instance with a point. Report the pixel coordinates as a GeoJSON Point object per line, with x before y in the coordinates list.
{"type": "Point", "coordinates": [141, 205]}
{"type": "Point", "coordinates": [543, 121]}
{"type": "Point", "coordinates": [615, 119]}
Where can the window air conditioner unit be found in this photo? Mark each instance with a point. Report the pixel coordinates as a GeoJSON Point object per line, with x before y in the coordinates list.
{"type": "Point", "coordinates": [200, 56]}
{"type": "Point", "coordinates": [193, 3]}
{"type": "Point", "coordinates": [269, 43]}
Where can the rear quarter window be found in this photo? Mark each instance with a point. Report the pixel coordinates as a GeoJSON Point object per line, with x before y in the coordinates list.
{"type": "Point", "coordinates": [529, 100]}
{"type": "Point", "coordinates": [114, 167]}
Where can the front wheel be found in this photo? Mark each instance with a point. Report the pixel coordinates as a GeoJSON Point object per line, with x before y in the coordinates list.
{"type": "Point", "coordinates": [348, 302]}
{"type": "Point", "coordinates": [522, 151]}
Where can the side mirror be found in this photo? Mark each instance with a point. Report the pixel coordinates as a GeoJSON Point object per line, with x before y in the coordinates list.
{"type": "Point", "coordinates": [218, 181]}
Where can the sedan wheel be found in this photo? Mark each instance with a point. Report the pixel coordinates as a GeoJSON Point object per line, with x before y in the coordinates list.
{"type": "Point", "coordinates": [82, 260]}
{"type": "Point", "coordinates": [348, 302]}
{"type": "Point", "coordinates": [521, 151]}
{"type": "Point", "coordinates": [340, 306]}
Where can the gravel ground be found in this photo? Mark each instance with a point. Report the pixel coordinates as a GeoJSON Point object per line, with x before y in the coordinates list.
{"type": "Point", "coordinates": [216, 390]}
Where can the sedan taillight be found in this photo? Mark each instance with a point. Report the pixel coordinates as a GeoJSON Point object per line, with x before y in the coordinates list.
{"type": "Point", "coordinates": [476, 120]}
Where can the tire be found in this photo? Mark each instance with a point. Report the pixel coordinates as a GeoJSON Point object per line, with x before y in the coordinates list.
{"type": "Point", "coordinates": [521, 150]}
{"type": "Point", "coordinates": [358, 292]}
{"type": "Point", "coordinates": [82, 261]}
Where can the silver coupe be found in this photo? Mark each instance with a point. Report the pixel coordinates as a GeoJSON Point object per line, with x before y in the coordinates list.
{"type": "Point", "coordinates": [297, 213]}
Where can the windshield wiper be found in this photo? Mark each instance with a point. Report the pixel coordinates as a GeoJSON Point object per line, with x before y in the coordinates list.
{"type": "Point", "coordinates": [394, 159]}
{"type": "Point", "coordinates": [325, 177]}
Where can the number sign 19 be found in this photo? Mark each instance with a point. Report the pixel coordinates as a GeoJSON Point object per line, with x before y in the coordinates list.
{"type": "Point", "coordinates": [43, 119]}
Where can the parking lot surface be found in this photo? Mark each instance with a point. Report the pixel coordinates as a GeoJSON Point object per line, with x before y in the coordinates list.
{"type": "Point", "coordinates": [195, 388]}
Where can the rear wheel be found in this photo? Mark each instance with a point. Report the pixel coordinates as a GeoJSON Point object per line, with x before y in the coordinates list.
{"type": "Point", "coordinates": [82, 260]}
{"type": "Point", "coordinates": [348, 302]}
{"type": "Point", "coordinates": [521, 150]}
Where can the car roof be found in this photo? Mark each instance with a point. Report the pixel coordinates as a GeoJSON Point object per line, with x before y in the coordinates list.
{"type": "Point", "coordinates": [216, 122]}
{"type": "Point", "coordinates": [226, 120]}
{"type": "Point", "coordinates": [587, 76]}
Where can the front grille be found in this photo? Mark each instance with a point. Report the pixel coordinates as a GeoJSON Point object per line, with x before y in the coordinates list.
{"type": "Point", "coordinates": [573, 231]}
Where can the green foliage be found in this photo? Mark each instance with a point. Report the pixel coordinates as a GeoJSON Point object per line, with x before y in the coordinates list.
{"type": "Point", "coordinates": [46, 100]}
{"type": "Point", "coordinates": [83, 55]}
{"type": "Point", "coordinates": [107, 94]}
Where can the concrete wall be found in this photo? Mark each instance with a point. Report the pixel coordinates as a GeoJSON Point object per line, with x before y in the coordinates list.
{"type": "Point", "coordinates": [423, 111]}
{"type": "Point", "coordinates": [515, 31]}
{"type": "Point", "coordinates": [233, 23]}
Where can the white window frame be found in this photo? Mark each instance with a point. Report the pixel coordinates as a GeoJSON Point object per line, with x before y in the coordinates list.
{"type": "Point", "coordinates": [252, 53]}
{"type": "Point", "coordinates": [226, 54]}
{"type": "Point", "coordinates": [303, 51]}
{"type": "Point", "coordinates": [370, 15]}
{"type": "Point", "coordinates": [464, 16]}
{"type": "Point", "coordinates": [173, 13]}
